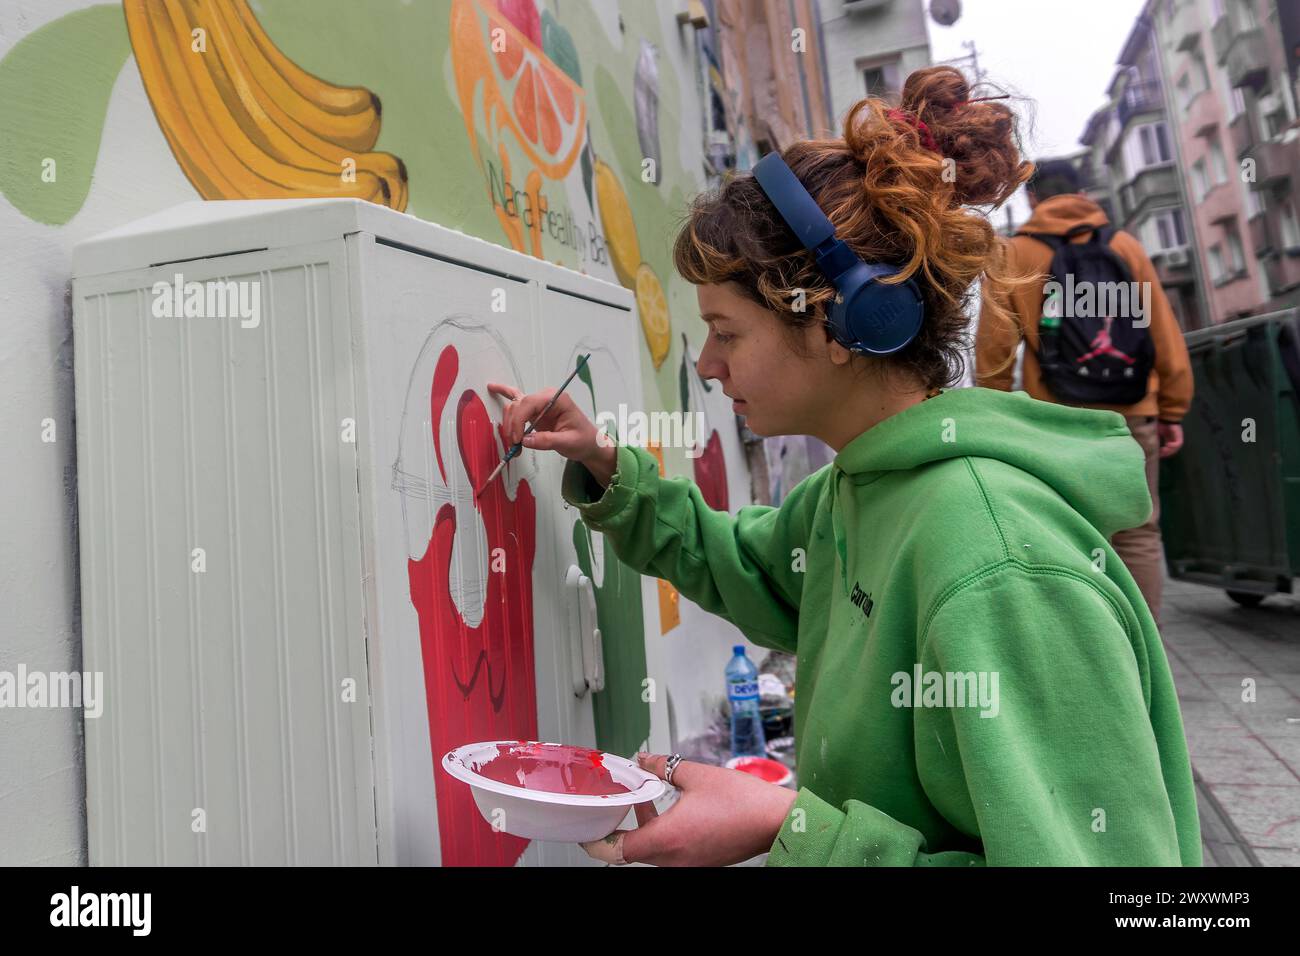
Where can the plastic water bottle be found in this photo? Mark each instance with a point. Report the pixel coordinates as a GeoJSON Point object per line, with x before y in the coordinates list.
{"type": "Point", "coordinates": [742, 691]}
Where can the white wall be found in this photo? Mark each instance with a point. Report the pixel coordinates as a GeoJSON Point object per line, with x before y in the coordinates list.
{"type": "Point", "coordinates": [42, 788]}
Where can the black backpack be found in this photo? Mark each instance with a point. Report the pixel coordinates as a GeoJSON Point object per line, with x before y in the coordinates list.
{"type": "Point", "coordinates": [1094, 343]}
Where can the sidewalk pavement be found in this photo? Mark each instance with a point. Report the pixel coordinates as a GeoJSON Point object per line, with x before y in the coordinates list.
{"type": "Point", "coordinates": [1245, 753]}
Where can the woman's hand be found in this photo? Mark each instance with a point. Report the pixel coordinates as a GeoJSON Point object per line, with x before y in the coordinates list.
{"type": "Point", "coordinates": [722, 817]}
{"type": "Point", "coordinates": [564, 429]}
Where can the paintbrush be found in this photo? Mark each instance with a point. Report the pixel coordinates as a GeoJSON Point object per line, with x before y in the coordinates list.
{"type": "Point", "coordinates": [518, 446]}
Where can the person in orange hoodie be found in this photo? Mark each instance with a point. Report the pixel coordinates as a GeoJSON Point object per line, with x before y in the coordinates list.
{"type": "Point", "coordinates": [1061, 209]}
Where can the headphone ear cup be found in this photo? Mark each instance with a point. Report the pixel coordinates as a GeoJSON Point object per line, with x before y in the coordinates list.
{"type": "Point", "coordinates": [837, 319]}
{"type": "Point", "coordinates": [875, 318]}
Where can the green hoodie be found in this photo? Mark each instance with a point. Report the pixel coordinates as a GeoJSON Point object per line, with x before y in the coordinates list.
{"type": "Point", "coordinates": [959, 550]}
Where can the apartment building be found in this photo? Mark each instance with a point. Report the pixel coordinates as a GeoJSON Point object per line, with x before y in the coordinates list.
{"type": "Point", "coordinates": [761, 88]}
{"type": "Point", "coordinates": [1233, 68]}
{"type": "Point", "coordinates": [871, 47]}
{"type": "Point", "coordinates": [1255, 45]}
{"type": "Point", "coordinates": [1130, 167]}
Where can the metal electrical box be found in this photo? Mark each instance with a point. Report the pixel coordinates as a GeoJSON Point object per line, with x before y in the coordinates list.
{"type": "Point", "coordinates": [295, 599]}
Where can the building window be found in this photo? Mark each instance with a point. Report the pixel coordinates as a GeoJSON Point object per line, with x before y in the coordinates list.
{"type": "Point", "coordinates": [1169, 232]}
{"type": "Point", "coordinates": [1164, 233]}
{"type": "Point", "coordinates": [1290, 227]}
{"type": "Point", "coordinates": [882, 79]}
{"type": "Point", "coordinates": [1236, 102]}
{"type": "Point", "coordinates": [1155, 144]}
{"type": "Point", "coordinates": [1217, 161]}
{"type": "Point", "coordinates": [1216, 262]}
{"type": "Point", "coordinates": [1199, 180]}
{"type": "Point", "coordinates": [1202, 74]}
{"type": "Point", "coordinates": [1236, 253]}
{"type": "Point", "coordinates": [1254, 204]}
{"type": "Point", "coordinates": [1272, 113]}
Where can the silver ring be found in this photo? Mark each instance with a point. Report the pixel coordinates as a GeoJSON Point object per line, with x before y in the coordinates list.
{"type": "Point", "coordinates": [673, 761]}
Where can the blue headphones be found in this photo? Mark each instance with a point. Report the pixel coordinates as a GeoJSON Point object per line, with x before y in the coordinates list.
{"type": "Point", "coordinates": [867, 315]}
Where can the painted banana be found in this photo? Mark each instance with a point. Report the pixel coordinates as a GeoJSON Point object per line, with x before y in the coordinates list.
{"type": "Point", "coordinates": [238, 127]}
{"type": "Point", "coordinates": [252, 170]}
{"type": "Point", "coordinates": [358, 130]}
{"type": "Point", "coordinates": [340, 100]}
{"type": "Point", "coordinates": [262, 120]}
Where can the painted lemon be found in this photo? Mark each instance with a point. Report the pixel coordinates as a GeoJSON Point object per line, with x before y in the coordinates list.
{"type": "Point", "coordinates": [653, 306]}
{"type": "Point", "coordinates": [620, 230]}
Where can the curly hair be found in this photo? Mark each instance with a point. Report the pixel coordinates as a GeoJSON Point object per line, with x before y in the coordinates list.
{"type": "Point", "coordinates": [891, 199]}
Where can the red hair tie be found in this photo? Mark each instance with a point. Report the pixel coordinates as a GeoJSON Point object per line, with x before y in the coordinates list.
{"type": "Point", "coordinates": [927, 138]}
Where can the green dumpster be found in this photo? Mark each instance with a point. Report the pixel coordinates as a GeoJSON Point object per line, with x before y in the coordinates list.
{"type": "Point", "coordinates": [1230, 500]}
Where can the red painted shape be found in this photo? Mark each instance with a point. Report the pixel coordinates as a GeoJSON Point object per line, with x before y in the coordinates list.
{"type": "Point", "coordinates": [479, 681]}
{"type": "Point", "coordinates": [444, 377]}
{"type": "Point", "coordinates": [552, 768]}
{"type": "Point", "coordinates": [770, 770]}
{"type": "Point", "coordinates": [711, 474]}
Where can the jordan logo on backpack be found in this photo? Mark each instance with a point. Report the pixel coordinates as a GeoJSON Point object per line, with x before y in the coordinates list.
{"type": "Point", "coordinates": [1104, 346]}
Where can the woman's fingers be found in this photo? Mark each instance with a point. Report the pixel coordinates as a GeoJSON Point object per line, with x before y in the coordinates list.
{"type": "Point", "coordinates": [645, 812]}
{"type": "Point", "coordinates": [512, 396]}
{"type": "Point", "coordinates": [657, 764]}
{"type": "Point", "coordinates": [508, 392]}
{"type": "Point", "coordinates": [522, 411]}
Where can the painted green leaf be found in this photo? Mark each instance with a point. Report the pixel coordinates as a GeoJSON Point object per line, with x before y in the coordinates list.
{"type": "Point", "coordinates": [54, 89]}
{"type": "Point", "coordinates": [559, 47]}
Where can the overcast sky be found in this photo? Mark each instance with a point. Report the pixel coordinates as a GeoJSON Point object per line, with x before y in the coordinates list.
{"type": "Point", "coordinates": [1059, 53]}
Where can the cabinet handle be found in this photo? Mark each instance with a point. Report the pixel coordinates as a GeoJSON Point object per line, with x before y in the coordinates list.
{"type": "Point", "coordinates": [594, 661]}
{"type": "Point", "coordinates": [573, 639]}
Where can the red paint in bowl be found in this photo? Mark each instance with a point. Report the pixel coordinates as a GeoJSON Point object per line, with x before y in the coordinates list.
{"type": "Point", "coordinates": [772, 771]}
{"type": "Point", "coordinates": [551, 768]}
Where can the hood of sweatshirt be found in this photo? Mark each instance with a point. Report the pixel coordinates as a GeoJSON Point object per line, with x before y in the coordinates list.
{"type": "Point", "coordinates": [1088, 456]}
{"type": "Point", "coordinates": [1059, 214]}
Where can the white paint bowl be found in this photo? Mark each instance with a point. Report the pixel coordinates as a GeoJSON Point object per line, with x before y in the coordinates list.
{"type": "Point", "coordinates": [543, 815]}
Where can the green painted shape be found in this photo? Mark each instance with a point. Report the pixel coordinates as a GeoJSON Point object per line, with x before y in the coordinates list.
{"type": "Point", "coordinates": [558, 45]}
{"type": "Point", "coordinates": [584, 373]}
{"type": "Point", "coordinates": [54, 89]}
{"type": "Point", "coordinates": [622, 717]}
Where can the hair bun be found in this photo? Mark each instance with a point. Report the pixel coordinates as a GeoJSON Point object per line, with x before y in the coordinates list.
{"type": "Point", "coordinates": [978, 134]}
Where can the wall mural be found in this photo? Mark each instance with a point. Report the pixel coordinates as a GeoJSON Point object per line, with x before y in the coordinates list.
{"type": "Point", "coordinates": [555, 127]}
{"type": "Point", "coordinates": [264, 128]}
{"type": "Point", "coordinates": [576, 161]}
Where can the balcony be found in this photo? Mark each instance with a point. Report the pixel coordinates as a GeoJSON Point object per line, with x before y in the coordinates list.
{"type": "Point", "coordinates": [1185, 26]}
{"type": "Point", "coordinates": [1151, 184]}
{"type": "Point", "coordinates": [1241, 135]}
{"type": "Point", "coordinates": [1244, 53]}
{"type": "Point", "coordinates": [1139, 98]}
{"type": "Point", "coordinates": [1282, 272]}
{"type": "Point", "coordinates": [1275, 162]}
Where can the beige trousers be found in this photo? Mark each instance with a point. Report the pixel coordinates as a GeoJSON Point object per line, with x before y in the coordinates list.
{"type": "Point", "coordinates": [1140, 548]}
